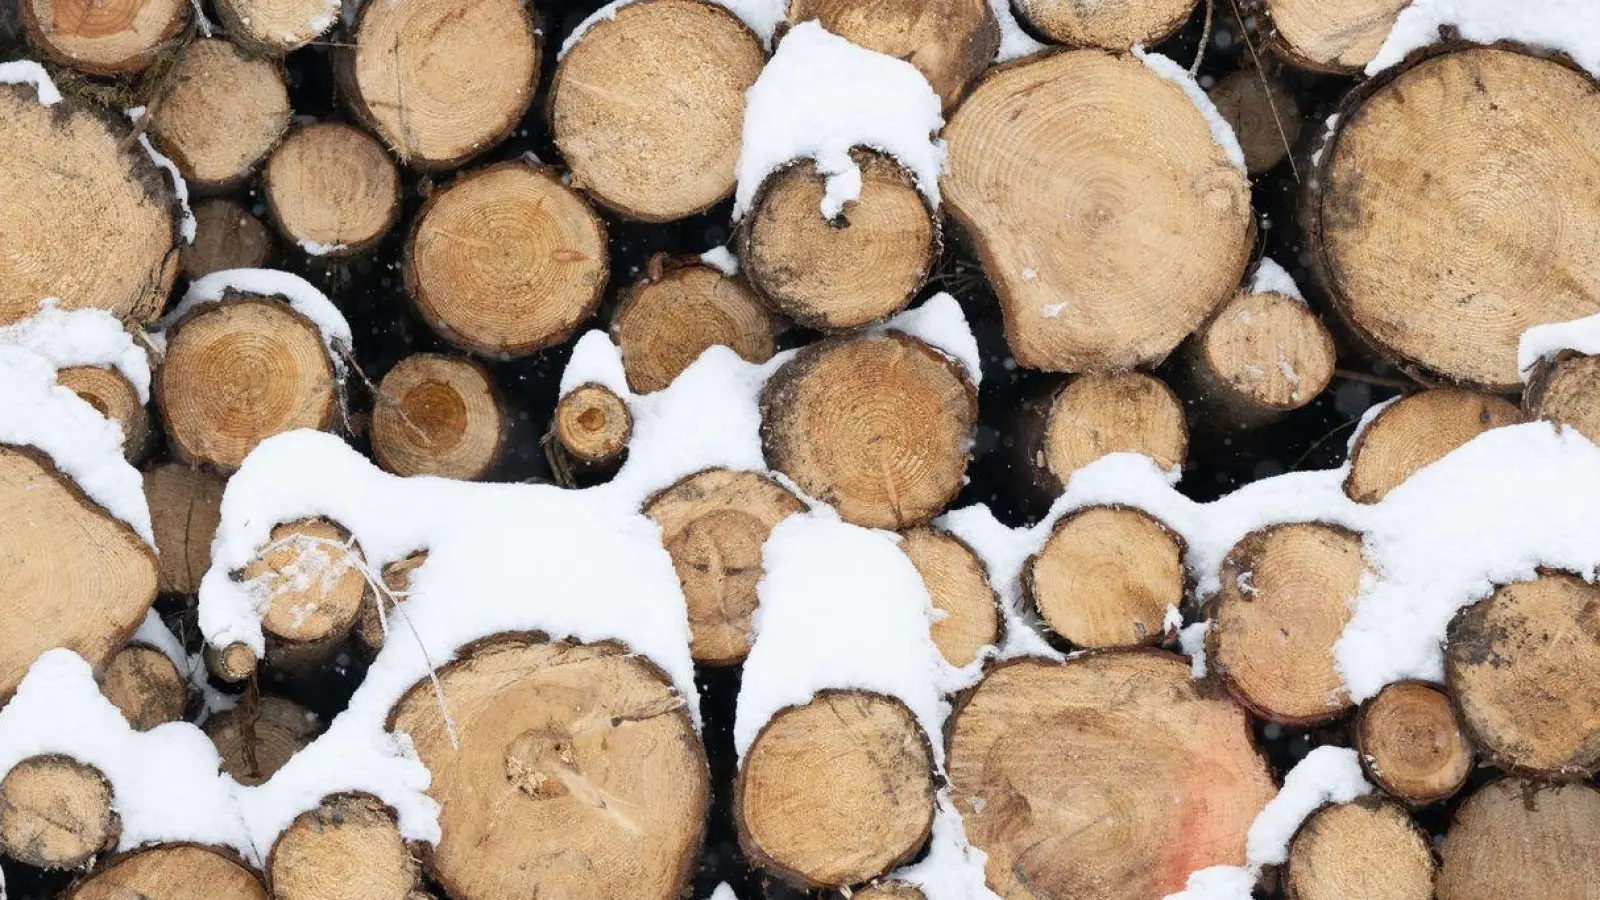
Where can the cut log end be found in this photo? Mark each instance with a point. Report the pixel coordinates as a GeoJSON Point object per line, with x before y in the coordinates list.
{"type": "Point", "coordinates": [1106, 578]}
{"type": "Point", "coordinates": [56, 813]}
{"type": "Point", "coordinates": [1567, 392]}
{"type": "Point", "coordinates": [310, 579]}
{"type": "Point", "coordinates": [171, 872]}
{"type": "Point", "coordinates": [226, 236]}
{"type": "Point", "coordinates": [437, 415]}
{"type": "Point", "coordinates": [1264, 116]}
{"type": "Point", "coordinates": [891, 890]}
{"type": "Point", "coordinates": [663, 323]}
{"type": "Point", "coordinates": [110, 393]}
{"type": "Point", "coordinates": [1336, 38]}
{"type": "Point", "coordinates": [1108, 26]}
{"type": "Point", "coordinates": [348, 848]}
{"type": "Point", "coordinates": [950, 42]}
{"type": "Point", "coordinates": [1095, 415]}
{"type": "Point", "coordinates": [221, 112]}
{"type": "Point", "coordinates": [1412, 744]}
{"type": "Point", "coordinates": [1369, 849]}
{"type": "Point", "coordinates": [101, 38]}
{"type": "Point", "coordinates": [185, 509]}
{"type": "Point", "coordinates": [276, 27]}
{"type": "Point", "coordinates": [1517, 839]}
{"type": "Point", "coordinates": [233, 663]}
{"type": "Point", "coordinates": [958, 585]}
{"type": "Point", "coordinates": [1416, 431]}
{"type": "Point", "coordinates": [372, 626]}
{"type": "Point", "coordinates": [146, 686]}
{"type": "Point", "coordinates": [256, 738]}
{"type": "Point", "coordinates": [1262, 355]}
{"type": "Point", "coordinates": [592, 425]}
{"type": "Point", "coordinates": [331, 189]}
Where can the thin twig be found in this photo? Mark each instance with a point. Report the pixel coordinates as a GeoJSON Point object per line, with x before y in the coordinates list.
{"type": "Point", "coordinates": [1399, 384]}
{"type": "Point", "coordinates": [1266, 90]}
{"type": "Point", "coordinates": [1295, 467]}
{"type": "Point", "coordinates": [1205, 38]}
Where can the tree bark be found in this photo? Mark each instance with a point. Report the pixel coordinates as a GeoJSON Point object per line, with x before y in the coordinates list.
{"type": "Point", "coordinates": [101, 38]}
{"type": "Point", "coordinates": [438, 415]}
{"type": "Point", "coordinates": [185, 509]}
{"type": "Point", "coordinates": [146, 686]}
{"type": "Point", "coordinates": [171, 872]}
{"type": "Point", "coordinates": [1106, 578]}
{"type": "Point", "coordinates": [259, 735]}
{"type": "Point", "coordinates": [348, 848]}
{"type": "Point", "coordinates": [56, 813]}
{"type": "Point", "coordinates": [958, 586]}
{"type": "Point", "coordinates": [1412, 743]}
{"type": "Point", "coordinates": [1417, 431]}
{"type": "Point", "coordinates": [1517, 839]}
{"type": "Point", "coordinates": [331, 189]}
{"type": "Point", "coordinates": [1368, 848]}
{"type": "Point", "coordinates": [227, 236]}
{"type": "Point", "coordinates": [677, 310]}
{"type": "Point", "coordinates": [219, 114]}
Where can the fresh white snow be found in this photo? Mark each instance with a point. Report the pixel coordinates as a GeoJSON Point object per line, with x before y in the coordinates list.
{"type": "Point", "coordinates": [1567, 26]}
{"type": "Point", "coordinates": [82, 337]}
{"type": "Point", "coordinates": [180, 187]}
{"type": "Point", "coordinates": [1014, 42]}
{"type": "Point", "coordinates": [1545, 341]}
{"type": "Point", "coordinates": [1221, 131]}
{"type": "Point", "coordinates": [1272, 278]}
{"type": "Point", "coordinates": [26, 71]}
{"type": "Point", "coordinates": [721, 259]}
{"type": "Point", "coordinates": [302, 296]}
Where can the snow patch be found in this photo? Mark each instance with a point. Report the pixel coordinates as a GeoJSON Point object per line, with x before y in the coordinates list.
{"type": "Point", "coordinates": [1327, 137]}
{"type": "Point", "coordinates": [82, 337]}
{"type": "Point", "coordinates": [721, 259]}
{"type": "Point", "coordinates": [26, 71]}
{"type": "Point", "coordinates": [1543, 342]}
{"type": "Point", "coordinates": [180, 187]}
{"type": "Point", "coordinates": [1217, 883]}
{"type": "Point", "coordinates": [1271, 278]}
{"type": "Point", "coordinates": [318, 248]}
{"type": "Point", "coordinates": [940, 323]}
{"type": "Point", "coordinates": [300, 294]}
{"type": "Point", "coordinates": [1566, 26]}
{"type": "Point", "coordinates": [1221, 131]}
{"type": "Point", "coordinates": [1014, 42]}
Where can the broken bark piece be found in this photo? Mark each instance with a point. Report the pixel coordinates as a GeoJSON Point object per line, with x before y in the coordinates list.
{"type": "Point", "coordinates": [219, 113]}
{"type": "Point", "coordinates": [146, 686]}
{"type": "Point", "coordinates": [1106, 578]}
{"type": "Point", "coordinates": [1367, 848]}
{"type": "Point", "coordinates": [678, 310]}
{"type": "Point", "coordinates": [309, 580]}
{"type": "Point", "coordinates": [257, 737]}
{"type": "Point", "coordinates": [276, 27]}
{"type": "Point", "coordinates": [647, 107]}
{"type": "Point", "coordinates": [1417, 431]}
{"type": "Point", "coordinates": [1261, 356]}
{"type": "Point", "coordinates": [958, 586]}
{"type": "Point", "coordinates": [348, 848]}
{"type": "Point", "coordinates": [373, 626]}
{"type": "Point", "coordinates": [591, 429]}
{"type": "Point", "coordinates": [1108, 26]}
{"type": "Point", "coordinates": [437, 415]}
{"type": "Point", "coordinates": [950, 42]}
{"type": "Point", "coordinates": [836, 792]}
{"type": "Point", "coordinates": [1263, 115]}
{"type": "Point", "coordinates": [1517, 839]}
{"type": "Point", "coordinates": [331, 189]}
{"type": "Point", "coordinates": [171, 872]}
{"type": "Point", "coordinates": [56, 813]}
{"type": "Point", "coordinates": [713, 524]}
{"type": "Point", "coordinates": [1162, 780]}
{"type": "Point", "coordinates": [185, 509]}
{"type": "Point", "coordinates": [559, 754]}
{"type": "Point", "coordinates": [1566, 391]}
{"type": "Point", "coordinates": [1095, 415]}
{"type": "Point", "coordinates": [1412, 743]}
{"type": "Point", "coordinates": [1338, 38]}
{"type": "Point", "coordinates": [110, 392]}
{"type": "Point", "coordinates": [100, 38]}
{"type": "Point", "coordinates": [226, 236]}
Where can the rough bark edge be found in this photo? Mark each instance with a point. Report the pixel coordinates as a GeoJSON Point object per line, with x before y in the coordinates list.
{"type": "Point", "coordinates": [171, 38]}
{"type": "Point", "coordinates": [496, 394]}
{"type": "Point", "coordinates": [342, 251]}
{"type": "Point", "coordinates": [227, 853]}
{"type": "Point", "coordinates": [1370, 802]}
{"type": "Point", "coordinates": [1538, 383]}
{"type": "Point", "coordinates": [1359, 740]}
{"type": "Point", "coordinates": [113, 818]}
{"type": "Point", "coordinates": [267, 862]}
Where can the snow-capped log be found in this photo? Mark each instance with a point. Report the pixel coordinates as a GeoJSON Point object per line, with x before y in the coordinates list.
{"type": "Point", "coordinates": [1397, 197]}
{"type": "Point", "coordinates": [1089, 417]}
{"type": "Point", "coordinates": [257, 737]}
{"type": "Point", "coordinates": [309, 582]}
{"type": "Point", "coordinates": [227, 236]}
{"type": "Point", "coordinates": [435, 118]}
{"type": "Point", "coordinates": [332, 190]}
{"type": "Point", "coordinates": [103, 38]}
{"type": "Point", "coordinates": [1262, 113]}
{"type": "Point", "coordinates": [145, 684]}
{"type": "Point", "coordinates": [968, 609]}
{"type": "Point", "coordinates": [220, 113]}
{"type": "Point", "coordinates": [109, 392]}
{"type": "Point", "coordinates": [1107, 577]}
{"type": "Point", "coordinates": [589, 432]}
{"type": "Point", "coordinates": [1566, 390]}
{"type": "Point", "coordinates": [1366, 848]}
{"type": "Point", "coordinates": [506, 260]}
{"type": "Point", "coordinates": [1415, 431]}
{"type": "Point", "coordinates": [647, 105]}
{"type": "Point", "coordinates": [878, 425]}
{"type": "Point", "coordinates": [1336, 38]}
{"type": "Point", "coordinates": [185, 506]}
{"type": "Point", "coordinates": [276, 27]}
{"type": "Point", "coordinates": [105, 220]}
{"type": "Point", "coordinates": [171, 872]}
{"type": "Point", "coordinates": [1111, 27]}
{"type": "Point", "coordinates": [438, 415]}
{"type": "Point", "coordinates": [1412, 743]}
{"type": "Point", "coordinates": [56, 813]}
{"type": "Point", "coordinates": [348, 848]}
{"type": "Point", "coordinates": [1263, 355]}
{"type": "Point", "coordinates": [1522, 839]}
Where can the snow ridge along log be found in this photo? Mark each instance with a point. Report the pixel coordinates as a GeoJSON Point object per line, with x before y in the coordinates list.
{"type": "Point", "coordinates": [1517, 839]}
{"type": "Point", "coordinates": [437, 415]}
{"type": "Point", "coordinates": [102, 220]}
{"type": "Point", "coordinates": [1338, 37]}
{"type": "Point", "coordinates": [220, 114]}
{"type": "Point", "coordinates": [146, 686]}
{"type": "Point", "coordinates": [276, 27]}
{"type": "Point", "coordinates": [309, 581]}
{"type": "Point", "coordinates": [647, 108]}
{"type": "Point", "coordinates": [679, 308]}
{"type": "Point", "coordinates": [836, 792]}
{"type": "Point", "coordinates": [56, 813]}
{"type": "Point", "coordinates": [1163, 781]}
{"type": "Point", "coordinates": [1567, 392]}
{"type": "Point", "coordinates": [1369, 849]}
{"type": "Point", "coordinates": [72, 575]}
{"type": "Point", "coordinates": [958, 585]}
{"type": "Point", "coordinates": [226, 236]}
{"type": "Point", "coordinates": [1106, 578]}
{"type": "Point", "coordinates": [1417, 431]}
{"type": "Point", "coordinates": [713, 524]}
{"type": "Point", "coordinates": [1412, 743]}
{"type": "Point", "coordinates": [578, 773]}
{"type": "Point", "coordinates": [171, 872]}
{"type": "Point", "coordinates": [1095, 415]}
{"type": "Point", "coordinates": [1451, 209]}
{"type": "Point", "coordinates": [101, 38]}
{"type": "Point", "coordinates": [109, 392]}
{"type": "Point", "coordinates": [239, 371]}
{"type": "Point", "coordinates": [1261, 356]}
{"type": "Point", "coordinates": [879, 426]}
{"type": "Point", "coordinates": [590, 429]}
{"type": "Point", "coordinates": [507, 260]}
{"type": "Point", "coordinates": [1263, 115]}
{"type": "Point", "coordinates": [1524, 666]}
{"type": "Point", "coordinates": [837, 274]}
{"type": "Point", "coordinates": [331, 189]}
{"type": "Point", "coordinates": [348, 848]}
{"type": "Point", "coordinates": [256, 738]}
{"type": "Point", "coordinates": [185, 509]}
{"type": "Point", "coordinates": [436, 117]}
{"type": "Point", "coordinates": [1110, 246]}
{"type": "Point", "coordinates": [1112, 26]}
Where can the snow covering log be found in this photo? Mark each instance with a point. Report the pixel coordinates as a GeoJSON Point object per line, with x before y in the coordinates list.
{"type": "Point", "coordinates": [958, 586]}
{"type": "Point", "coordinates": [436, 117]}
{"type": "Point", "coordinates": [56, 813]}
{"type": "Point", "coordinates": [713, 524]}
{"type": "Point", "coordinates": [331, 189]}
{"type": "Point", "coordinates": [862, 266]}
{"type": "Point", "coordinates": [1338, 38]}
{"type": "Point", "coordinates": [1262, 355]}
{"type": "Point", "coordinates": [171, 872]}
{"type": "Point", "coordinates": [677, 309]}
{"type": "Point", "coordinates": [259, 735]}
{"type": "Point", "coordinates": [562, 769]}
{"type": "Point", "coordinates": [276, 27]}
{"type": "Point", "coordinates": [1107, 577]}
{"type": "Point", "coordinates": [1524, 667]}
{"type": "Point", "coordinates": [104, 219]}
{"type": "Point", "coordinates": [146, 685]}
{"type": "Point", "coordinates": [1412, 743]}
{"type": "Point", "coordinates": [1417, 431]}
{"type": "Point", "coordinates": [1263, 115]}
{"type": "Point", "coordinates": [507, 260]}
{"type": "Point", "coordinates": [110, 392]}
{"type": "Point", "coordinates": [1421, 158]}
{"type": "Point", "coordinates": [1106, 777]}
{"type": "Point", "coordinates": [1367, 848]}
{"type": "Point", "coordinates": [227, 236]}
{"type": "Point", "coordinates": [590, 430]}
{"type": "Point", "coordinates": [950, 42]}
{"type": "Point", "coordinates": [219, 113]}
{"type": "Point", "coordinates": [1566, 391]}
{"type": "Point", "coordinates": [1287, 592]}
{"type": "Point", "coordinates": [104, 38]}
{"type": "Point", "coordinates": [878, 425]}
{"type": "Point", "coordinates": [836, 792]}
{"type": "Point", "coordinates": [1518, 839]}
{"type": "Point", "coordinates": [185, 507]}
{"type": "Point", "coordinates": [372, 626]}
{"type": "Point", "coordinates": [437, 415]}
{"type": "Point", "coordinates": [348, 848]}
{"type": "Point", "coordinates": [309, 582]}
{"type": "Point", "coordinates": [1111, 26]}
{"type": "Point", "coordinates": [647, 106]}
{"type": "Point", "coordinates": [1091, 416]}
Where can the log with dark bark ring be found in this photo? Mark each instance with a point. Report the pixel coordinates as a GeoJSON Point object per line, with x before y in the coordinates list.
{"type": "Point", "coordinates": [104, 38]}
{"type": "Point", "coordinates": [171, 872]}
{"type": "Point", "coordinates": [56, 813]}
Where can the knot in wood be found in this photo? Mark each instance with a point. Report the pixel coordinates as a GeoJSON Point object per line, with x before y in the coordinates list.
{"type": "Point", "coordinates": [535, 759]}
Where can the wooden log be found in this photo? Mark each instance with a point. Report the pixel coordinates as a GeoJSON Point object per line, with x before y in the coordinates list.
{"type": "Point", "coordinates": [219, 113]}
{"type": "Point", "coordinates": [146, 686]}
{"type": "Point", "coordinates": [1106, 578]}
{"type": "Point", "coordinates": [348, 848]}
{"type": "Point", "coordinates": [958, 585]}
{"type": "Point", "coordinates": [171, 872]}
{"type": "Point", "coordinates": [1412, 743]}
{"type": "Point", "coordinates": [1089, 417]}
{"type": "Point", "coordinates": [100, 38]}
{"type": "Point", "coordinates": [438, 415]}
{"type": "Point", "coordinates": [372, 626]}
{"type": "Point", "coordinates": [1261, 356]}
{"type": "Point", "coordinates": [309, 581]}
{"type": "Point", "coordinates": [879, 426]}
{"type": "Point", "coordinates": [259, 735]}
{"type": "Point", "coordinates": [713, 524]}
{"type": "Point", "coordinates": [1524, 667]}
{"type": "Point", "coordinates": [56, 813]}
{"type": "Point", "coordinates": [276, 27]}
{"type": "Point", "coordinates": [678, 309]}
{"type": "Point", "coordinates": [1566, 391]}
{"type": "Point", "coordinates": [1112, 27]}
{"type": "Point", "coordinates": [1287, 592]}
{"type": "Point", "coordinates": [1518, 839]}
{"type": "Point", "coordinates": [226, 236]}
{"type": "Point", "coordinates": [110, 392]}
{"type": "Point", "coordinates": [185, 509]}
{"type": "Point", "coordinates": [331, 189]}
{"type": "Point", "coordinates": [588, 754]}
{"type": "Point", "coordinates": [507, 260]}
{"type": "Point", "coordinates": [836, 792]}
{"type": "Point", "coordinates": [860, 267]}
{"type": "Point", "coordinates": [1337, 38]}
{"type": "Point", "coordinates": [437, 117]}
{"type": "Point", "coordinates": [1417, 431]}
{"type": "Point", "coordinates": [233, 663]}
{"type": "Point", "coordinates": [1163, 780]}
{"type": "Point", "coordinates": [1367, 848]}
{"type": "Point", "coordinates": [1398, 229]}
{"type": "Point", "coordinates": [647, 107]}
{"type": "Point", "coordinates": [1264, 116]}
{"type": "Point", "coordinates": [589, 433]}
{"type": "Point", "coordinates": [891, 890]}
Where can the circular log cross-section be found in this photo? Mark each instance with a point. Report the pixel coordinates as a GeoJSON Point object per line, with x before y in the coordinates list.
{"type": "Point", "coordinates": [226, 236]}
{"type": "Point", "coordinates": [1524, 667]}
{"type": "Point", "coordinates": [592, 426]}
{"type": "Point", "coordinates": [277, 27]}
{"type": "Point", "coordinates": [1287, 592]}
{"type": "Point", "coordinates": [331, 189]}
{"type": "Point", "coordinates": [836, 792]}
{"type": "Point", "coordinates": [435, 116]}
{"type": "Point", "coordinates": [1263, 355]}
{"type": "Point", "coordinates": [1339, 37]}
{"type": "Point", "coordinates": [309, 580]}
{"type": "Point", "coordinates": [1452, 208]}
{"type": "Point", "coordinates": [103, 220]}
{"type": "Point", "coordinates": [233, 663]}
{"type": "Point", "coordinates": [571, 771]}
{"type": "Point", "coordinates": [1412, 744]}
{"type": "Point", "coordinates": [958, 586]}
{"type": "Point", "coordinates": [1108, 249]}
{"type": "Point", "coordinates": [950, 42]}
{"type": "Point", "coordinates": [713, 524]}
{"type": "Point", "coordinates": [1106, 777]}
{"type": "Point", "coordinates": [860, 267]}
{"type": "Point", "coordinates": [877, 425]}
{"type": "Point", "coordinates": [1106, 578]}
{"type": "Point", "coordinates": [1521, 840]}
{"type": "Point", "coordinates": [507, 260]}
{"type": "Point", "coordinates": [56, 813]}
{"type": "Point", "coordinates": [103, 38]}
{"type": "Point", "coordinates": [1263, 115]}
{"type": "Point", "coordinates": [220, 114]}
{"type": "Point", "coordinates": [185, 509]}
{"type": "Point", "coordinates": [1417, 431]}
{"type": "Point", "coordinates": [647, 108]}
{"type": "Point", "coordinates": [146, 686]}
{"type": "Point", "coordinates": [239, 372]}
{"type": "Point", "coordinates": [1368, 849]}
{"type": "Point", "coordinates": [171, 872]}
{"type": "Point", "coordinates": [1112, 26]}
{"type": "Point", "coordinates": [1567, 392]}
{"type": "Point", "coordinates": [348, 848]}
{"type": "Point", "coordinates": [110, 392]}
{"type": "Point", "coordinates": [254, 740]}
{"type": "Point", "coordinates": [372, 625]}
{"type": "Point", "coordinates": [1095, 415]}
{"type": "Point", "coordinates": [664, 322]}
{"type": "Point", "coordinates": [437, 415]}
